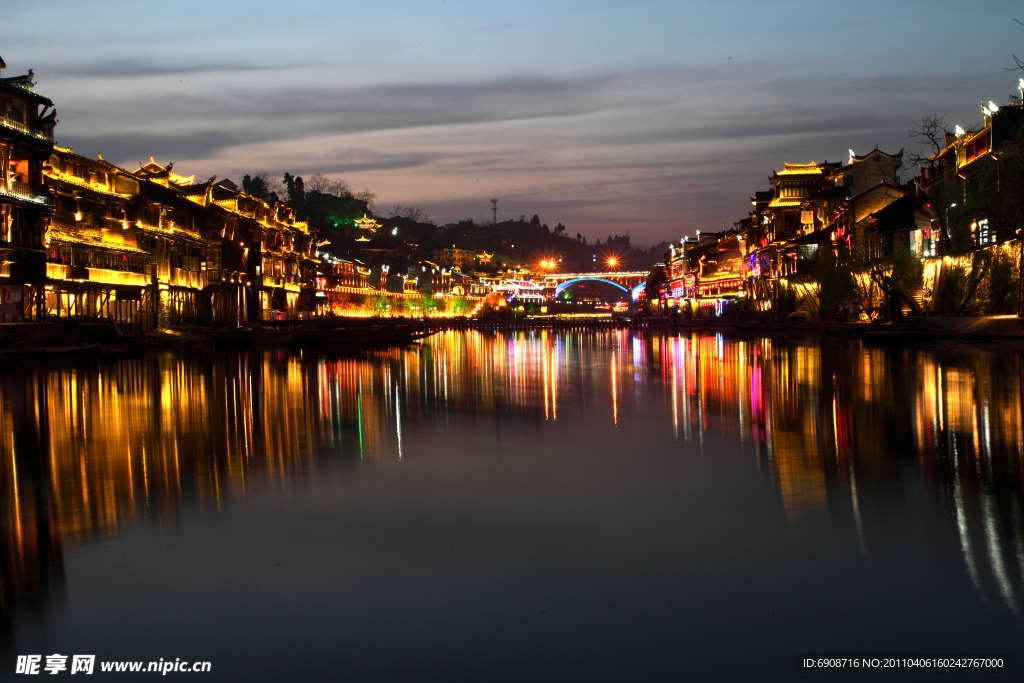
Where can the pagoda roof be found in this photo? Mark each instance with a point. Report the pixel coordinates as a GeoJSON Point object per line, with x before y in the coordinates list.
{"type": "Point", "coordinates": [153, 170]}
{"type": "Point", "coordinates": [83, 183]}
{"type": "Point", "coordinates": [813, 168]}
{"type": "Point", "coordinates": [23, 85]}
{"type": "Point", "coordinates": [68, 152]}
{"type": "Point", "coordinates": [855, 158]}
{"type": "Point", "coordinates": [198, 188]}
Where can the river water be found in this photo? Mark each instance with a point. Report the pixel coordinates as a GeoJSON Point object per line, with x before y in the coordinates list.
{"type": "Point", "coordinates": [574, 505]}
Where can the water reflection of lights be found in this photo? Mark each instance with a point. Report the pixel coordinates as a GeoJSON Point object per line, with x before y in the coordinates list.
{"type": "Point", "coordinates": [88, 449]}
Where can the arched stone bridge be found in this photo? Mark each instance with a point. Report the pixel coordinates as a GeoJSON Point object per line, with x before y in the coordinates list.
{"type": "Point", "coordinates": [631, 282]}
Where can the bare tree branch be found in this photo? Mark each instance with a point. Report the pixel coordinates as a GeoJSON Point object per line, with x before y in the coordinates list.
{"type": "Point", "coordinates": [367, 196]}
{"type": "Point", "coordinates": [929, 131]}
{"type": "Point", "coordinates": [319, 183]}
{"type": "Point", "coordinates": [1020, 64]}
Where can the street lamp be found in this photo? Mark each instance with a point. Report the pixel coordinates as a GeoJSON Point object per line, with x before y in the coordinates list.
{"type": "Point", "coordinates": [612, 262]}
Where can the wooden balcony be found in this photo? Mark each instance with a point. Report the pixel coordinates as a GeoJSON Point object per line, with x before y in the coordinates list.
{"type": "Point", "coordinates": [15, 188]}
{"type": "Point", "coordinates": [33, 131]}
{"type": "Point", "coordinates": [179, 277]}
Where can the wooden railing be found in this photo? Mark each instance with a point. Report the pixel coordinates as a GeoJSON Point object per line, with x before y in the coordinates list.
{"type": "Point", "coordinates": [179, 277]}
{"type": "Point", "coordinates": [23, 128]}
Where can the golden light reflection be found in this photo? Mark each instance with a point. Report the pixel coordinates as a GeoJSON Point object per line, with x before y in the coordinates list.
{"type": "Point", "coordinates": [90, 448]}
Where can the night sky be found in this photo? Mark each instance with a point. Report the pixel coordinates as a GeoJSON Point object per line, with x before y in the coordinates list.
{"type": "Point", "coordinates": [661, 118]}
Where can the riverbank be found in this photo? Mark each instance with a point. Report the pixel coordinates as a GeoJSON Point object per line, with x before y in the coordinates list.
{"type": "Point", "coordinates": [47, 339]}
{"type": "Point", "coordinates": [1002, 328]}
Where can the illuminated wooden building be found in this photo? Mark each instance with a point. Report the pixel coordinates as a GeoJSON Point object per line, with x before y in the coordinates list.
{"type": "Point", "coordinates": [225, 255]}
{"type": "Point", "coordinates": [455, 257]}
{"type": "Point", "coordinates": [965, 149]}
{"type": "Point", "coordinates": [964, 153]}
{"type": "Point", "coordinates": [94, 265]}
{"type": "Point", "coordinates": [367, 226]}
{"type": "Point", "coordinates": [680, 273]}
{"type": "Point", "coordinates": [706, 275]}
{"type": "Point", "coordinates": [873, 168]}
{"type": "Point", "coordinates": [154, 246]}
{"type": "Point", "coordinates": [793, 186]}
{"type": "Point", "coordinates": [27, 120]}
{"type": "Point", "coordinates": [279, 253]}
{"type": "Point", "coordinates": [773, 252]}
{"type": "Point", "coordinates": [340, 284]}
{"type": "Point", "coordinates": [430, 278]}
{"type": "Point", "coordinates": [170, 228]}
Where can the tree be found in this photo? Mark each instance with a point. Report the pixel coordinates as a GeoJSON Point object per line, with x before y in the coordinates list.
{"type": "Point", "coordinates": [930, 131]}
{"type": "Point", "coordinates": [400, 306]}
{"type": "Point", "coordinates": [366, 196]}
{"type": "Point", "coordinates": [413, 213]}
{"type": "Point", "coordinates": [991, 199]}
{"type": "Point", "coordinates": [378, 304]}
{"type": "Point", "coordinates": [835, 279]}
{"type": "Point", "coordinates": [333, 216]}
{"type": "Point", "coordinates": [893, 270]}
{"type": "Point", "coordinates": [319, 183]}
{"type": "Point", "coordinates": [1019, 63]}
{"type": "Point", "coordinates": [296, 192]}
{"type": "Point", "coordinates": [262, 187]}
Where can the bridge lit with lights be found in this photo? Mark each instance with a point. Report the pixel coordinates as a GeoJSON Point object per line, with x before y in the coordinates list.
{"type": "Point", "coordinates": [631, 283]}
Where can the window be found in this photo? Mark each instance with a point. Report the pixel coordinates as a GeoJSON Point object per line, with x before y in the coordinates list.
{"type": "Point", "coordinates": [982, 232]}
{"type": "Point", "coordinates": [17, 111]}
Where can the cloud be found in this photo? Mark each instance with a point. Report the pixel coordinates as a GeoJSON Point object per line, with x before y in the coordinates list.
{"type": "Point", "coordinates": [353, 160]}
{"type": "Point", "coordinates": [687, 144]}
{"type": "Point", "coordinates": [131, 68]}
{"type": "Point", "coordinates": [130, 148]}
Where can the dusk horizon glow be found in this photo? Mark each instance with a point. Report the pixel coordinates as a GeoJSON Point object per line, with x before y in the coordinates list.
{"type": "Point", "coordinates": [661, 119]}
